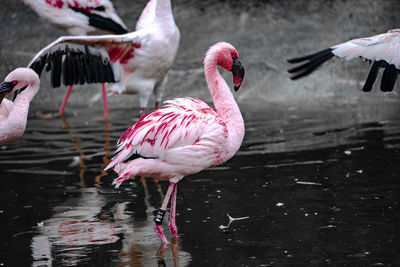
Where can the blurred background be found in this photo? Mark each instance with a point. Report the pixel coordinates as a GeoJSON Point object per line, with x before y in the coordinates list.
{"type": "Point", "coordinates": [266, 33]}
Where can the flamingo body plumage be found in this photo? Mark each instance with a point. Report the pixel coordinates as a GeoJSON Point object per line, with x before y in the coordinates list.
{"type": "Point", "coordinates": [80, 17]}
{"type": "Point", "coordinates": [140, 60]}
{"type": "Point", "coordinates": [13, 115]}
{"type": "Point", "coordinates": [186, 135]}
{"type": "Point", "coordinates": [382, 49]}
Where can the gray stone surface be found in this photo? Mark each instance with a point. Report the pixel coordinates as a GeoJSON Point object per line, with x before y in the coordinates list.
{"type": "Point", "coordinates": [265, 33]}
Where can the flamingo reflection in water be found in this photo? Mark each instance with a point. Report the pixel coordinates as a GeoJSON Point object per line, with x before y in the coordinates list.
{"type": "Point", "coordinates": [80, 160]}
{"type": "Point", "coordinates": [97, 217]}
{"type": "Point", "coordinates": [95, 220]}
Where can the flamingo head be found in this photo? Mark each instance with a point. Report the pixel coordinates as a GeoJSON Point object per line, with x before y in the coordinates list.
{"type": "Point", "coordinates": [238, 73]}
{"type": "Point", "coordinates": [228, 58]}
{"type": "Point", "coordinates": [18, 79]}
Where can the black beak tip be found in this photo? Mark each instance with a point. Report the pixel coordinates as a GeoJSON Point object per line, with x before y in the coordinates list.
{"type": "Point", "coordinates": [6, 87]}
{"type": "Point", "coordinates": [236, 87]}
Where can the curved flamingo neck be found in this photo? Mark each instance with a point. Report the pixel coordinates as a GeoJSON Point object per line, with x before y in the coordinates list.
{"type": "Point", "coordinates": [21, 104]}
{"type": "Point", "coordinates": [164, 10]}
{"type": "Point", "coordinates": [30, 92]}
{"type": "Point", "coordinates": [224, 101]}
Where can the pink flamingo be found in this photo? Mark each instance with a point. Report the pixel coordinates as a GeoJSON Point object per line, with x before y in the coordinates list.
{"type": "Point", "coordinates": [186, 135]}
{"type": "Point", "coordinates": [144, 55]}
{"type": "Point", "coordinates": [13, 115]}
{"type": "Point", "coordinates": [80, 17]}
{"type": "Point", "coordinates": [383, 49]}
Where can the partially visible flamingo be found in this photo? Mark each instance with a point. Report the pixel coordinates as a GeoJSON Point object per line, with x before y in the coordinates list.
{"type": "Point", "coordinates": [144, 55]}
{"type": "Point", "coordinates": [13, 115]}
{"type": "Point", "coordinates": [382, 49]}
{"type": "Point", "coordinates": [80, 17]}
{"type": "Point", "coordinates": [186, 135]}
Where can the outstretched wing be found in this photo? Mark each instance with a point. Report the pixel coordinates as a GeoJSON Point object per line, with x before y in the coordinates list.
{"type": "Point", "coordinates": [85, 59]}
{"type": "Point", "coordinates": [100, 14]}
{"type": "Point", "coordinates": [80, 16]}
{"type": "Point", "coordinates": [383, 49]}
{"type": "Point", "coordinates": [182, 122]}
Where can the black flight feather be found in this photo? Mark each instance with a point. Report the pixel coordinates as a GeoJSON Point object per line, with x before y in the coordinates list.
{"type": "Point", "coordinates": [71, 66]}
{"type": "Point", "coordinates": [317, 54]}
{"type": "Point", "coordinates": [389, 78]}
{"type": "Point", "coordinates": [314, 60]}
{"type": "Point", "coordinates": [100, 22]}
{"type": "Point", "coordinates": [373, 73]}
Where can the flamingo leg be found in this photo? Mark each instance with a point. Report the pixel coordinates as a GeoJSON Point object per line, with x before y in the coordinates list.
{"type": "Point", "coordinates": [64, 103]}
{"type": "Point", "coordinates": [142, 112]}
{"type": "Point", "coordinates": [103, 88]}
{"type": "Point", "coordinates": [161, 212]}
{"type": "Point", "coordinates": [172, 224]}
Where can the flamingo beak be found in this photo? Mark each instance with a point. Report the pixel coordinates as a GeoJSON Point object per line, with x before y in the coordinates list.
{"type": "Point", "coordinates": [238, 73]}
{"type": "Point", "coordinates": [5, 88]}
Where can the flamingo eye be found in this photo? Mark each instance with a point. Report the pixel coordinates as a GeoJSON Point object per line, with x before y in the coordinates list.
{"type": "Point", "coordinates": [15, 82]}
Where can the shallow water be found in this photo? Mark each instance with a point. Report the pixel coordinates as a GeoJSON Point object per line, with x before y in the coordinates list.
{"type": "Point", "coordinates": [319, 188]}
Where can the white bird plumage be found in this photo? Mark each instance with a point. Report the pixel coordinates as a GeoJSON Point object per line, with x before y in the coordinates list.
{"type": "Point", "coordinates": [145, 56]}
{"type": "Point", "coordinates": [80, 17]}
{"type": "Point", "coordinates": [186, 135]}
{"type": "Point", "coordinates": [13, 115]}
{"type": "Point", "coordinates": [184, 130]}
{"type": "Point", "coordinates": [382, 49]}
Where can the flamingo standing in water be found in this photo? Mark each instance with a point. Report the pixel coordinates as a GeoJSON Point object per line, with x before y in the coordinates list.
{"type": "Point", "coordinates": [80, 17]}
{"type": "Point", "coordinates": [382, 49]}
{"type": "Point", "coordinates": [186, 135]}
{"type": "Point", "coordinates": [13, 115]}
{"type": "Point", "coordinates": [144, 55]}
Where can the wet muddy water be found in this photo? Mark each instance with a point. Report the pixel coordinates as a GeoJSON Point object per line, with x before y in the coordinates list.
{"type": "Point", "coordinates": [319, 187]}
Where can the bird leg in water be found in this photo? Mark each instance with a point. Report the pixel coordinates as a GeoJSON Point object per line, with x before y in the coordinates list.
{"type": "Point", "coordinates": [103, 89]}
{"type": "Point", "coordinates": [64, 103]}
{"type": "Point", "coordinates": [161, 212]}
{"type": "Point", "coordinates": [172, 225]}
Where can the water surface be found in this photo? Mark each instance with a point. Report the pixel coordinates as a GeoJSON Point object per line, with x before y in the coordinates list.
{"type": "Point", "coordinates": [320, 187]}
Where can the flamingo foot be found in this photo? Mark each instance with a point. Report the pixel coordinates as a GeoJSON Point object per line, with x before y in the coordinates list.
{"type": "Point", "coordinates": [159, 230]}
{"type": "Point", "coordinates": [118, 181]}
{"type": "Point", "coordinates": [101, 118]}
{"type": "Point", "coordinates": [160, 255]}
{"type": "Point", "coordinates": [49, 116]}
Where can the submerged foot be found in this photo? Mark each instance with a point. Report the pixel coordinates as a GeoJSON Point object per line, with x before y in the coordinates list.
{"type": "Point", "coordinates": [159, 230]}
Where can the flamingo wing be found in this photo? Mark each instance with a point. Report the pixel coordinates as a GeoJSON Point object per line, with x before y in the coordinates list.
{"type": "Point", "coordinates": [183, 122]}
{"type": "Point", "coordinates": [383, 49]}
{"type": "Point", "coordinates": [80, 16]}
{"type": "Point", "coordinates": [85, 59]}
{"type": "Point", "coordinates": [100, 14]}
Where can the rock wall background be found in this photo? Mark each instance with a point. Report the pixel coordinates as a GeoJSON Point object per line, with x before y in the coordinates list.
{"type": "Point", "coordinates": [265, 33]}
